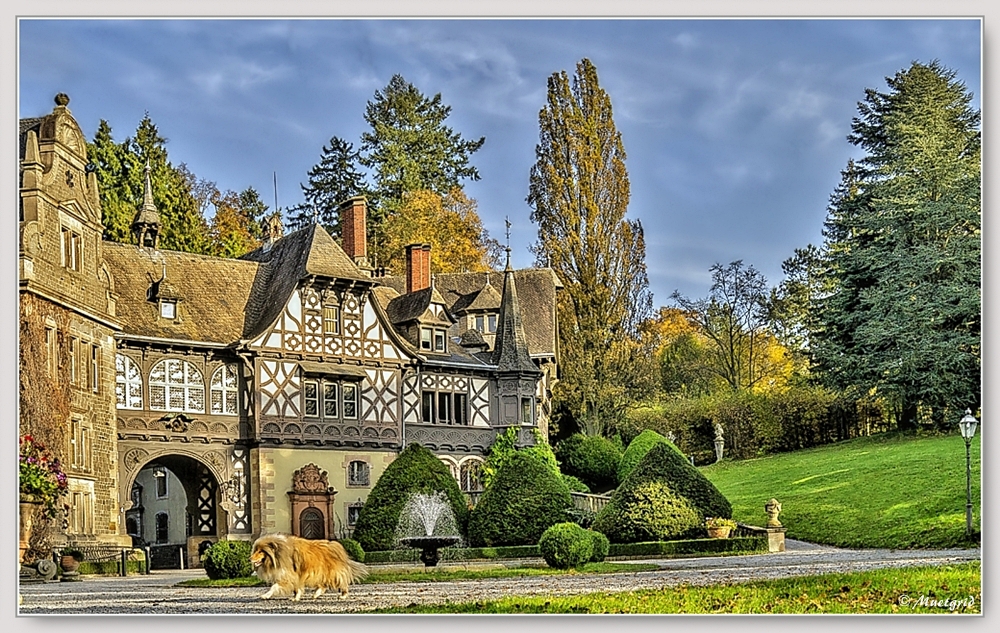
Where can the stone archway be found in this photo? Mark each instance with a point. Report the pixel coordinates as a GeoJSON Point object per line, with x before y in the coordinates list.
{"type": "Point", "coordinates": [215, 502]}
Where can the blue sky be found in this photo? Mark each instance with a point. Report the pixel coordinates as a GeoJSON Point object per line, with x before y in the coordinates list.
{"type": "Point", "coordinates": [734, 128]}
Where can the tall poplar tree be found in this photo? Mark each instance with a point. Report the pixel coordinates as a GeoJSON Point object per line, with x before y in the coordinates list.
{"type": "Point", "coordinates": [579, 195]}
{"type": "Point", "coordinates": [903, 244]}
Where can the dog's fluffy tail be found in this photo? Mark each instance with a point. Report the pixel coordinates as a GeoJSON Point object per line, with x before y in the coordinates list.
{"type": "Point", "coordinates": [358, 570]}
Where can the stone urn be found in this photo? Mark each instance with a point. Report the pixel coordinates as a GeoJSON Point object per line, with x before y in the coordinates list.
{"type": "Point", "coordinates": [69, 561]}
{"type": "Point", "coordinates": [27, 507]}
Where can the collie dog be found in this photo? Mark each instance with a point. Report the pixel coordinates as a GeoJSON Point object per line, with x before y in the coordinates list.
{"type": "Point", "coordinates": [291, 564]}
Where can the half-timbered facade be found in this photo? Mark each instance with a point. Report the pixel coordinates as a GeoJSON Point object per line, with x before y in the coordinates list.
{"type": "Point", "coordinates": [277, 388]}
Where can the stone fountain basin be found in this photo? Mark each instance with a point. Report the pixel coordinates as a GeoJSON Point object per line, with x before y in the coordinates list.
{"type": "Point", "coordinates": [429, 546]}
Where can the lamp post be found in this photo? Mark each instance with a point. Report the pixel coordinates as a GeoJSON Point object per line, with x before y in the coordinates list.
{"type": "Point", "coordinates": [967, 425]}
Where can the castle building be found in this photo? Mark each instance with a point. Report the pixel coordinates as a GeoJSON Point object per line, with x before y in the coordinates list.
{"type": "Point", "coordinates": [266, 393]}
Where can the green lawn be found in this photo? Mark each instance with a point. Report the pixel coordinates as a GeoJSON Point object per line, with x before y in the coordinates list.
{"type": "Point", "coordinates": [945, 589]}
{"type": "Point", "coordinates": [889, 491]}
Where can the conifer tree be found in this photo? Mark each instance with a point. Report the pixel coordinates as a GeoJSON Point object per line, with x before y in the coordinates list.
{"type": "Point", "coordinates": [409, 148]}
{"type": "Point", "coordinates": [903, 245]}
{"type": "Point", "coordinates": [579, 194]}
{"type": "Point", "coordinates": [121, 180]}
{"type": "Point", "coordinates": [331, 181]}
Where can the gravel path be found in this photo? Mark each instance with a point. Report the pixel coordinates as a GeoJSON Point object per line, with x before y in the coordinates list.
{"type": "Point", "coordinates": [158, 593]}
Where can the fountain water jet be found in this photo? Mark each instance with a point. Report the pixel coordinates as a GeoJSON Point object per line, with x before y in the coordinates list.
{"type": "Point", "coordinates": [427, 523]}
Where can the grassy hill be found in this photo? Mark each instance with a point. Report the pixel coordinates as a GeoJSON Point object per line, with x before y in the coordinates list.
{"type": "Point", "coordinates": [890, 491]}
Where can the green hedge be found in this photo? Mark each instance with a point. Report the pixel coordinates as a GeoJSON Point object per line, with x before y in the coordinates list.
{"type": "Point", "coordinates": [691, 547]}
{"type": "Point", "coordinates": [111, 567]}
{"type": "Point", "coordinates": [591, 458]}
{"type": "Point", "coordinates": [454, 553]}
{"type": "Point", "coordinates": [637, 449]}
{"type": "Point", "coordinates": [525, 498]}
{"type": "Point", "coordinates": [228, 559]}
{"type": "Point", "coordinates": [566, 545]}
{"type": "Point", "coordinates": [416, 469]}
{"type": "Point", "coordinates": [659, 549]}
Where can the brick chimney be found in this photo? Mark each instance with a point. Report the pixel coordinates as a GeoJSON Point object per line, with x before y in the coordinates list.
{"type": "Point", "coordinates": [418, 267]}
{"type": "Point", "coordinates": [353, 228]}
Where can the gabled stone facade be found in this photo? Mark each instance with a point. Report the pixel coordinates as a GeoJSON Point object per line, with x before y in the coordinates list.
{"type": "Point", "coordinates": [241, 376]}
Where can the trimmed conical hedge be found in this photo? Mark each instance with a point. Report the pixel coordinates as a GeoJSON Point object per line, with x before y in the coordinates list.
{"type": "Point", "coordinates": [525, 499]}
{"type": "Point", "coordinates": [416, 469]}
{"type": "Point", "coordinates": [664, 498]}
{"type": "Point", "coordinates": [637, 449]}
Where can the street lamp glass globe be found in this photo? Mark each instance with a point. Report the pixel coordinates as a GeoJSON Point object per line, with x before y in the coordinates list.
{"type": "Point", "coordinates": [967, 425]}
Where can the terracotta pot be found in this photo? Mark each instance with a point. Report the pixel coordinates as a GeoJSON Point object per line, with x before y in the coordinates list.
{"type": "Point", "coordinates": [68, 563]}
{"type": "Point", "coordinates": [719, 532]}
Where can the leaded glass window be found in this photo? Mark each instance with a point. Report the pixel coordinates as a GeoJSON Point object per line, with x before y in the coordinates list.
{"type": "Point", "coordinates": [128, 383]}
{"type": "Point", "coordinates": [311, 396]}
{"type": "Point", "coordinates": [351, 401]}
{"type": "Point", "coordinates": [224, 390]}
{"type": "Point", "coordinates": [176, 385]}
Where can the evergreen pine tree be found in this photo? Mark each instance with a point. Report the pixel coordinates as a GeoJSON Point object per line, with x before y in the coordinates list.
{"type": "Point", "coordinates": [331, 181]}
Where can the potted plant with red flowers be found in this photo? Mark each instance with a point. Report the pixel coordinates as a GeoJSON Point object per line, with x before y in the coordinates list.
{"type": "Point", "coordinates": [42, 482]}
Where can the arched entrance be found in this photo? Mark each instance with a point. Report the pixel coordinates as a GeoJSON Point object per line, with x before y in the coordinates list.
{"type": "Point", "coordinates": [175, 508]}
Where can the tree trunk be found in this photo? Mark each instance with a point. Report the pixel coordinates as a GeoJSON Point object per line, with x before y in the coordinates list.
{"type": "Point", "coordinates": [908, 417]}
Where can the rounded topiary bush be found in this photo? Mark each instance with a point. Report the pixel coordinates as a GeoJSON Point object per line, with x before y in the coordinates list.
{"type": "Point", "coordinates": [525, 498]}
{"type": "Point", "coordinates": [664, 498]}
{"type": "Point", "coordinates": [228, 559]}
{"type": "Point", "coordinates": [601, 546]}
{"type": "Point", "coordinates": [566, 545]}
{"type": "Point", "coordinates": [414, 470]}
{"type": "Point", "coordinates": [649, 511]}
{"type": "Point", "coordinates": [574, 484]}
{"type": "Point", "coordinates": [591, 458]}
{"type": "Point", "coordinates": [353, 549]}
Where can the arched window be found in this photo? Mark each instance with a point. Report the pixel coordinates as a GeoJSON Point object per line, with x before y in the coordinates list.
{"type": "Point", "coordinates": [128, 383]}
{"type": "Point", "coordinates": [161, 527]}
{"type": "Point", "coordinates": [311, 524]}
{"type": "Point", "coordinates": [176, 385]}
{"type": "Point", "coordinates": [223, 392]}
{"type": "Point", "coordinates": [471, 476]}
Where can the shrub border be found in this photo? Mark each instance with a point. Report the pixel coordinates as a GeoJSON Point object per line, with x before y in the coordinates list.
{"type": "Point", "coordinates": [666, 549]}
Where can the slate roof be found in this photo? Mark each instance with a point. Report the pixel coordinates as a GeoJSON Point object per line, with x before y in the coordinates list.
{"type": "Point", "coordinates": [299, 255]}
{"type": "Point", "coordinates": [24, 125]}
{"type": "Point", "coordinates": [510, 349]}
{"type": "Point", "coordinates": [536, 290]}
{"type": "Point", "coordinates": [412, 306]}
{"type": "Point", "coordinates": [213, 292]}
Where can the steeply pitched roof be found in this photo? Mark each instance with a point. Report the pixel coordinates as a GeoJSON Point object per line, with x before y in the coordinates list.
{"type": "Point", "coordinates": [412, 306]}
{"type": "Point", "coordinates": [23, 126]}
{"type": "Point", "coordinates": [213, 292]}
{"type": "Point", "coordinates": [510, 349]}
{"type": "Point", "coordinates": [299, 255]}
{"type": "Point", "coordinates": [536, 290]}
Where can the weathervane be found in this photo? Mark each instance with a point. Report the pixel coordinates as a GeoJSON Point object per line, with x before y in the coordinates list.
{"type": "Point", "coordinates": [315, 214]}
{"type": "Point", "coordinates": [506, 221]}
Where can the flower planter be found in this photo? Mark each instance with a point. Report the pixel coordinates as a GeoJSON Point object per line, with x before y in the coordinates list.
{"type": "Point", "coordinates": [718, 532]}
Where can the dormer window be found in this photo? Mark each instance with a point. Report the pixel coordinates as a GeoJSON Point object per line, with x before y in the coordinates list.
{"type": "Point", "coordinates": [433, 339]}
{"type": "Point", "coordinates": [168, 309]}
{"type": "Point", "coordinates": [486, 321]}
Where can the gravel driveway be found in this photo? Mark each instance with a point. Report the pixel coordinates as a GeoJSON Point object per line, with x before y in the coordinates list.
{"type": "Point", "coordinates": [158, 594]}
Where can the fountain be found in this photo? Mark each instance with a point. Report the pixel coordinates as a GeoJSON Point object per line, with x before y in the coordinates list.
{"type": "Point", "coordinates": [428, 524]}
